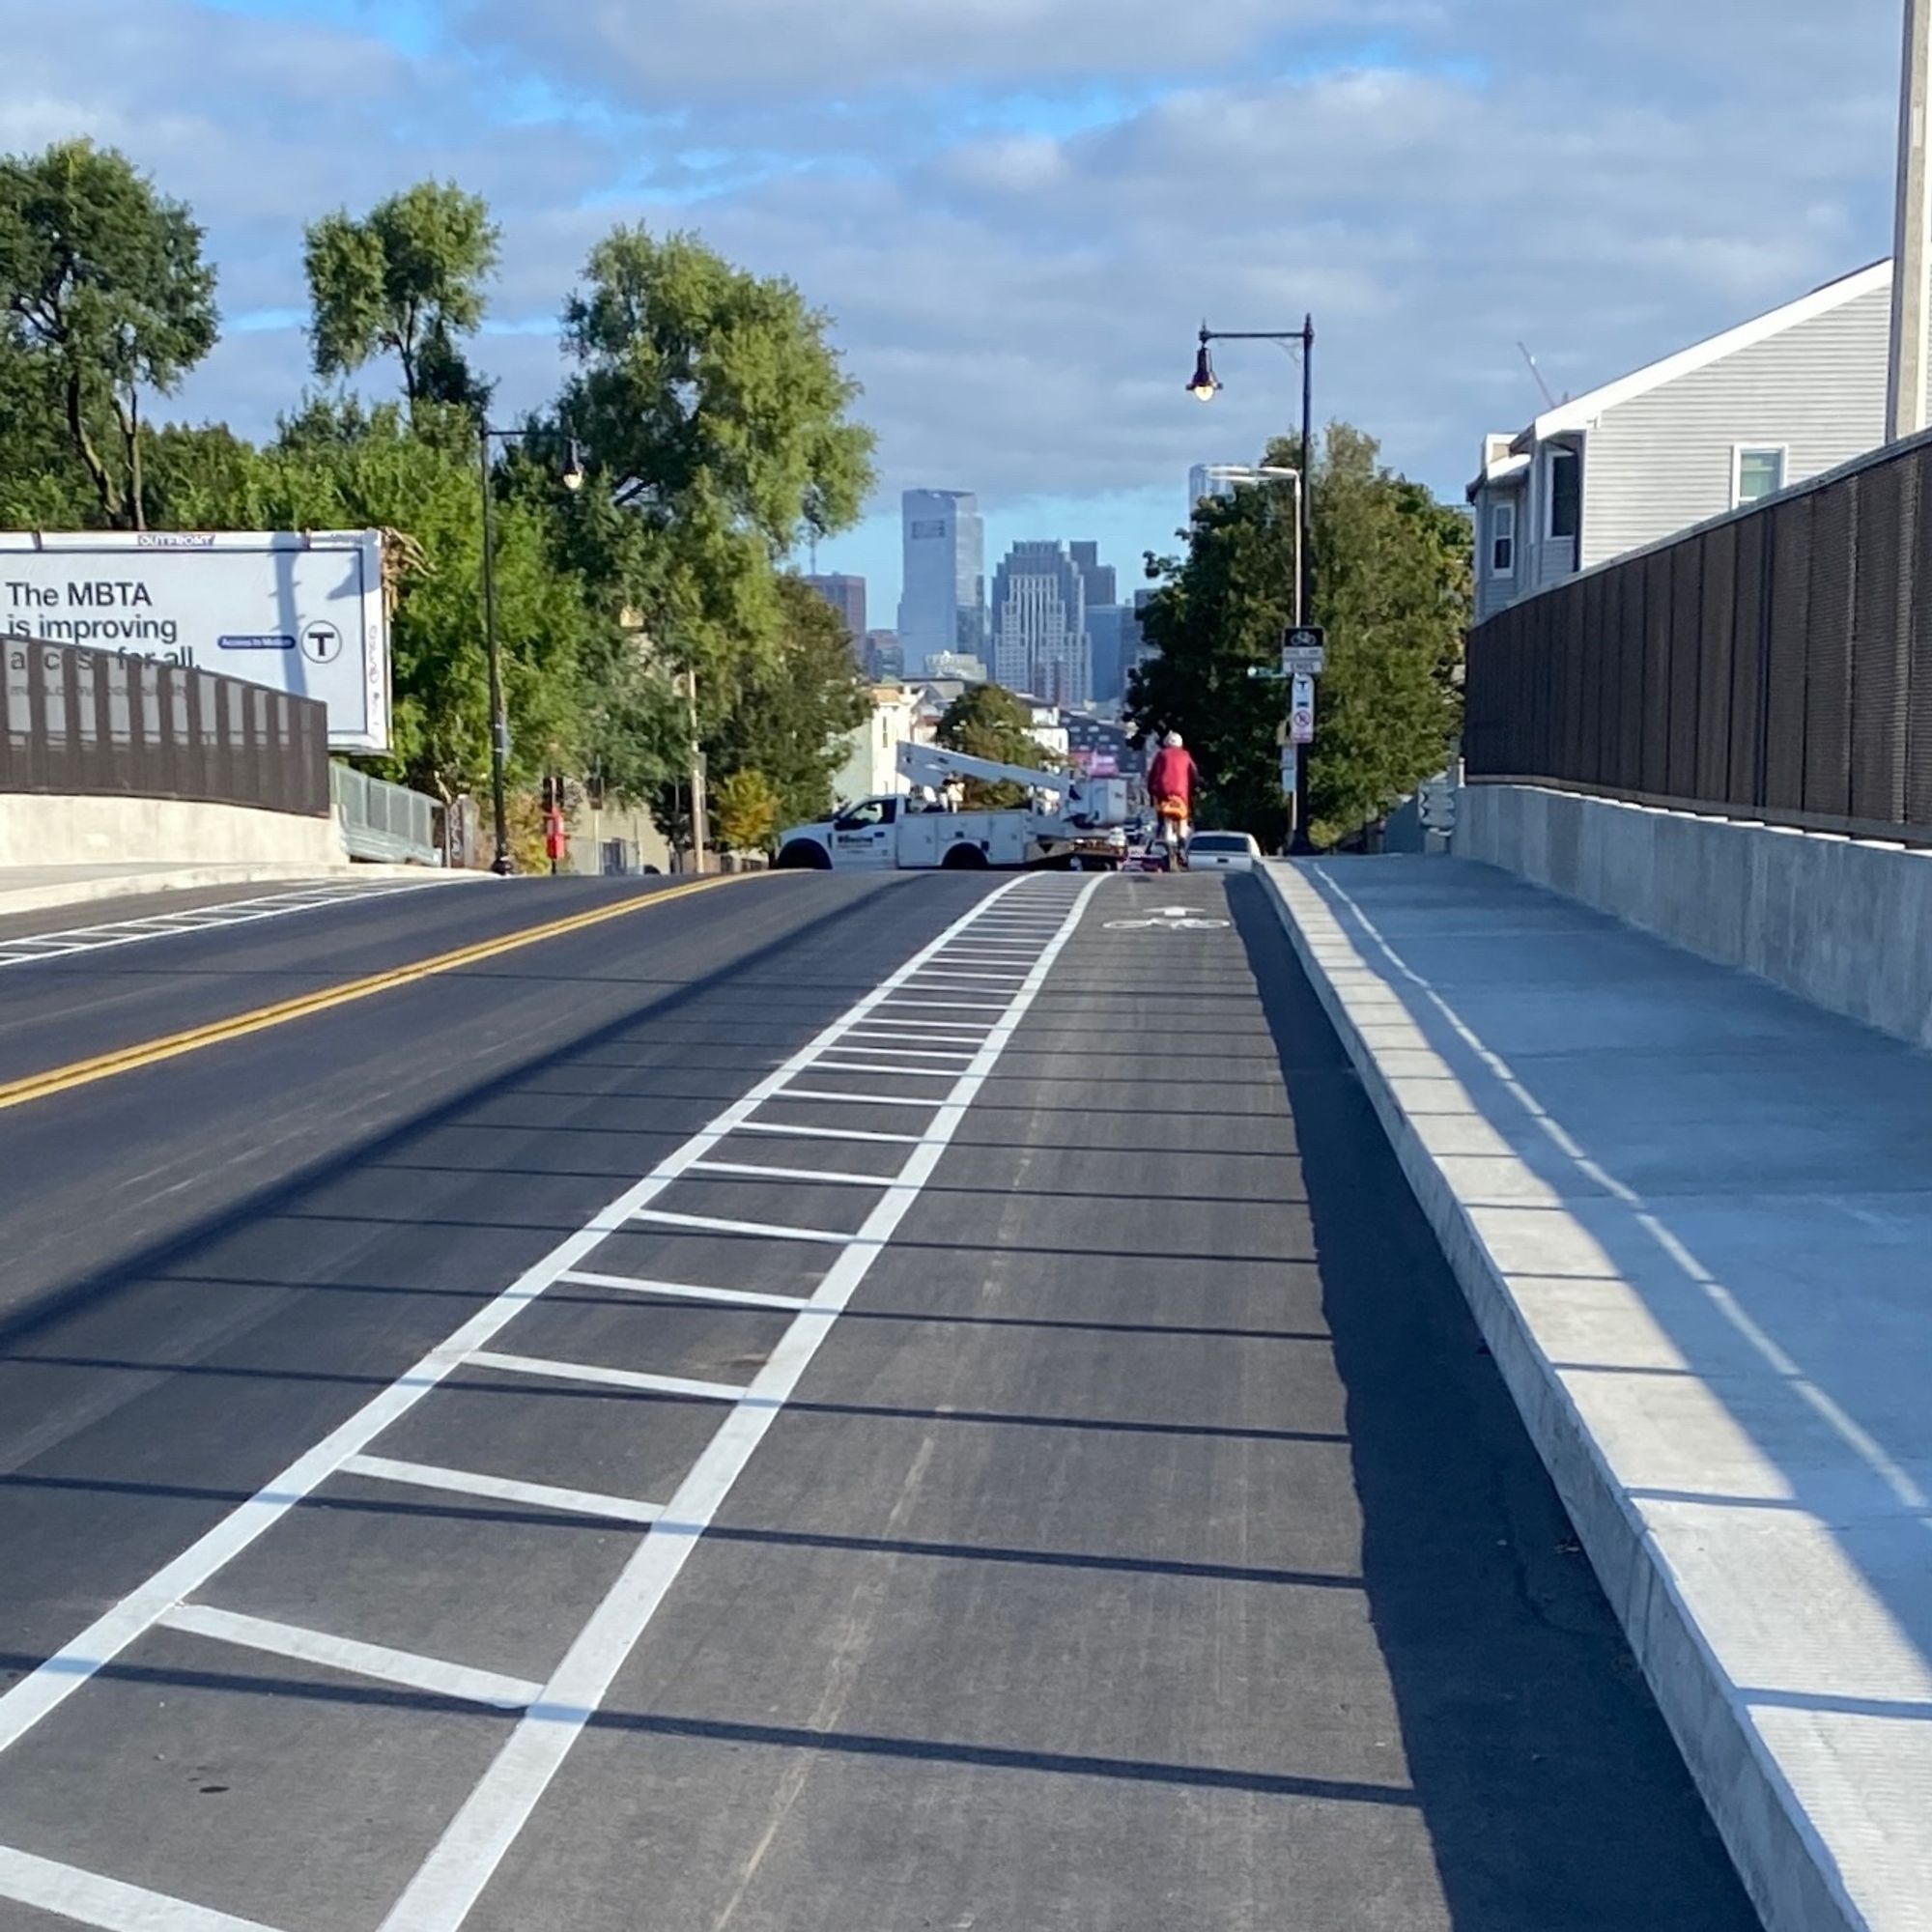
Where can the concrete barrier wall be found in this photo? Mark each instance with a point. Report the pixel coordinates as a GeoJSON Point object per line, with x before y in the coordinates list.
{"type": "Point", "coordinates": [1845, 925]}
{"type": "Point", "coordinates": [39, 830]}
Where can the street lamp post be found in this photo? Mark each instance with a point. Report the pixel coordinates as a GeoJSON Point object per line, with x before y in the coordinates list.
{"type": "Point", "coordinates": [500, 721]}
{"type": "Point", "coordinates": [1206, 386]}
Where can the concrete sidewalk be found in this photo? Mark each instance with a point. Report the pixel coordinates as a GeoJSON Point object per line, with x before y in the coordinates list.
{"type": "Point", "coordinates": [36, 887]}
{"type": "Point", "coordinates": [1694, 1218]}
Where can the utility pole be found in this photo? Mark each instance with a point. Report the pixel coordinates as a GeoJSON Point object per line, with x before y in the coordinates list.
{"type": "Point", "coordinates": [700, 830]}
{"type": "Point", "coordinates": [1906, 402]}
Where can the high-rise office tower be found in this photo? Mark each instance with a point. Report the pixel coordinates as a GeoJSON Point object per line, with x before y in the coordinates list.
{"type": "Point", "coordinates": [1202, 483]}
{"type": "Point", "coordinates": [943, 602]}
{"type": "Point", "coordinates": [847, 596]}
{"type": "Point", "coordinates": [1103, 622]}
{"type": "Point", "coordinates": [1038, 615]}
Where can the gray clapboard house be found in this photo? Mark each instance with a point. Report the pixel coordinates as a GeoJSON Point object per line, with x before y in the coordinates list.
{"type": "Point", "coordinates": [1750, 413]}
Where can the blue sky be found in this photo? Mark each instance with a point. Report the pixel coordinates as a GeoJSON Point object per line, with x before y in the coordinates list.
{"type": "Point", "coordinates": [1020, 211]}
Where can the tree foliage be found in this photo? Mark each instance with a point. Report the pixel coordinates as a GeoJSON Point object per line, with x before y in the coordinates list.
{"type": "Point", "coordinates": [986, 721]}
{"type": "Point", "coordinates": [748, 811]}
{"type": "Point", "coordinates": [406, 280]}
{"type": "Point", "coordinates": [107, 295]}
{"type": "Point", "coordinates": [715, 416]}
{"type": "Point", "coordinates": [1391, 570]}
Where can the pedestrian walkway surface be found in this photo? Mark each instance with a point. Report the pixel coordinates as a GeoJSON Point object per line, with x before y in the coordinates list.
{"type": "Point", "coordinates": [1694, 1217]}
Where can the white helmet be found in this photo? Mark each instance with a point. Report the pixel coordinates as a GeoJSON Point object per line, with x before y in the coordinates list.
{"type": "Point", "coordinates": [1173, 741]}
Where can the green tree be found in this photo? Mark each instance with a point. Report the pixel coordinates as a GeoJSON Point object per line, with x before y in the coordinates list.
{"type": "Point", "coordinates": [748, 811]}
{"type": "Point", "coordinates": [1391, 570]}
{"type": "Point", "coordinates": [790, 714]}
{"type": "Point", "coordinates": [715, 414]}
{"type": "Point", "coordinates": [986, 721]}
{"type": "Point", "coordinates": [107, 297]}
{"type": "Point", "coordinates": [407, 280]}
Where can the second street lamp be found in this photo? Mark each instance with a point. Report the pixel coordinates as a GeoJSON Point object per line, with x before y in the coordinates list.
{"type": "Point", "coordinates": [1206, 386]}
{"type": "Point", "coordinates": [503, 864]}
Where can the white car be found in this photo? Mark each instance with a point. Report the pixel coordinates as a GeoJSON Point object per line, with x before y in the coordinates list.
{"type": "Point", "coordinates": [1222, 852]}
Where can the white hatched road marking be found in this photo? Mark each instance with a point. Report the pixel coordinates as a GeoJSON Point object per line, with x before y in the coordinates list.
{"type": "Point", "coordinates": [830, 1133]}
{"type": "Point", "coordinates": [724, 1224]}
{"type": "Point", "coordinates": [891, 1073]}
{"type": "Point", "coordinates": [502, 1489]}
{"type": "Point", "coordinates": [451, 1879]}
{"type": "Point", "coordinates": [747, 1298]}
{"type": "Point", "coordinates": [199, 919]}
{"type": "Point", "coordinates": [858, 1099]}
{"type": "Point", "coordinates": [602, 1377]}
{"type": "Point", "coordinates": [88, 1899]}
{"type": "Point", "coordinates": [750, 1171]}
{"type": "Point", "coordinates": [448, 1884]}
{"type": "Point", "coordinates": [950, 1006]}
{"type": "Point", "coordinates": [375, 1661]}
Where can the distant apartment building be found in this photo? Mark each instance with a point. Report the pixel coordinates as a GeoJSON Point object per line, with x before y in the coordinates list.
{"type": "Point", "coordinates": [870, 764]}
{"type": "Point", "coordinates": [943, 604]}
{"type": "Point", "coordinates": [881, 655]}
{"type": "Point", "coordinates": [1038, 616]}
{"type": "Point", "coordinates": [847, 596]}
{"type": "Point", "coordinates": [1716, 426]}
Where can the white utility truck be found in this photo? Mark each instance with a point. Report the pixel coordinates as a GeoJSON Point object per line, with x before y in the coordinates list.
{"type": "Point", "coordinates": [1068, 822]}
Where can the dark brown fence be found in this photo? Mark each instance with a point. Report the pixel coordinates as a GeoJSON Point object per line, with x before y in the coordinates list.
{"type": "Point", "coordinates": [80, 720]}
{"type": "Point", "coordinates": [1776, 665]}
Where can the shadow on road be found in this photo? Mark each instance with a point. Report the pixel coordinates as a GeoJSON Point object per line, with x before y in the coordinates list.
{"type": "Point", "coordinates": [1553, 1795]}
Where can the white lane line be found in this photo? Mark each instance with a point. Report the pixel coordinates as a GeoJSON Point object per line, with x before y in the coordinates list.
{"type": "Point", "coordinates": [375, 1661]}
{"type": "Point", "coordinates": [895, 1028]}
{"type": "Point", "coordinates": [858, 1099]}
{"type": "Point", "coordinates": [737, 1297]}
{"type": "Point", "coordinates": [45, 1688]}
{"type": "Point", "coordinates": [830, 1133]}
{"type": "Point", "coordinates": [451, 1879]}
{"type": "Point", "coordinates": [602, 1377]}
{"type": "Point", "coordinates": [753, 1171]}
{"type": "Point", "coordinates": [725, 1224]}
{"type": "Point", "coordinates": [89, 1899]}
{"type": "Point", "coordinates": [501, 1489]}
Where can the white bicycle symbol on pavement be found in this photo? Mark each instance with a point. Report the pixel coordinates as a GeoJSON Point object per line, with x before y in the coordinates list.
{"type": "Point", "coordinates": [1169, 919]}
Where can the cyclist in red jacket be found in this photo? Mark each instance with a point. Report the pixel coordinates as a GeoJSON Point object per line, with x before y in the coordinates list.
{"type": "Point", "coordinates": [1171, 781]}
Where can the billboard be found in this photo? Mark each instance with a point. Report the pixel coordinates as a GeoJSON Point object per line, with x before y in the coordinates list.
{"type": "Point", "coordinates": [300, 612]}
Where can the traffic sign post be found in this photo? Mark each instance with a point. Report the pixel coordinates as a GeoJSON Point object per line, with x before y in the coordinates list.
{"type": "Point", "coordinates": [1301, 711]}
{"type": "Point", "coordinates": [1304, 651]}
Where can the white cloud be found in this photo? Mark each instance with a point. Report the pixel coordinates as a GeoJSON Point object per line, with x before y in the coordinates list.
{"type": "Point", "coordinates": [1019, 212]}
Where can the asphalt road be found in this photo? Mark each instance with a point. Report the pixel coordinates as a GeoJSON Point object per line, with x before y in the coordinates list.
{"type": "Point", "coordinates": [1059, 1486]}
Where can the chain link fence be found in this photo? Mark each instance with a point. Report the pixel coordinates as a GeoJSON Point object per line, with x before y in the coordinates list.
{"type": "Point", "coordinates": [1776, 665]}
{"type": "Point", "coordinates": [89, 722]}
{"type": "Point", "coordinates": [381, 821]}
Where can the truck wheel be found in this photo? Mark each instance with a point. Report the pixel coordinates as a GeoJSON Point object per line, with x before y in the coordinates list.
{"type": "Point", "coordinates": [963, 859]}
{"type": "Point", "coordinates": [804, 855]}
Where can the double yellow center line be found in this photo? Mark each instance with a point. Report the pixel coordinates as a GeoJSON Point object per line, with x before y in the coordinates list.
{"type": "Point", "coordinates": [124, 1060]}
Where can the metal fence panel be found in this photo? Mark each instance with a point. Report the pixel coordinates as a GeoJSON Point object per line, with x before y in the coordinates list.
{"type": "Point", "coordinates": [1685, 658]}
{"type": "Point", "coordinates": [1881, 642]}
{"type": "Point", "coordinates": [1774, 664]}
{"type": "Point", "coordinates": [92, 723]}
{"type": "Point", "coordinates": [1710, 775]}
{"type": "Point", "coordinates": [1828, 652]}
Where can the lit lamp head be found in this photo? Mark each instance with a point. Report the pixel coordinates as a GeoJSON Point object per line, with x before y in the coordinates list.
{"type": "Point", "coordinates": [572, 470]}
{"type": "Point", "coordinates": [1204, 383]}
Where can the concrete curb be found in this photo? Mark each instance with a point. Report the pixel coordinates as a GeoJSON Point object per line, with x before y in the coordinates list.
{"type": "Point", "coordinates": [1786, 1867]}
{"type": "Point", "coordinates": [199, 878]}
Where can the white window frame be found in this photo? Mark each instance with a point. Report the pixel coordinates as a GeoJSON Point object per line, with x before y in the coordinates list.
{"type": "Point", "coordinates": [1740, 450]}
{"type": "Point", "coordinates": [1498, 508]}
